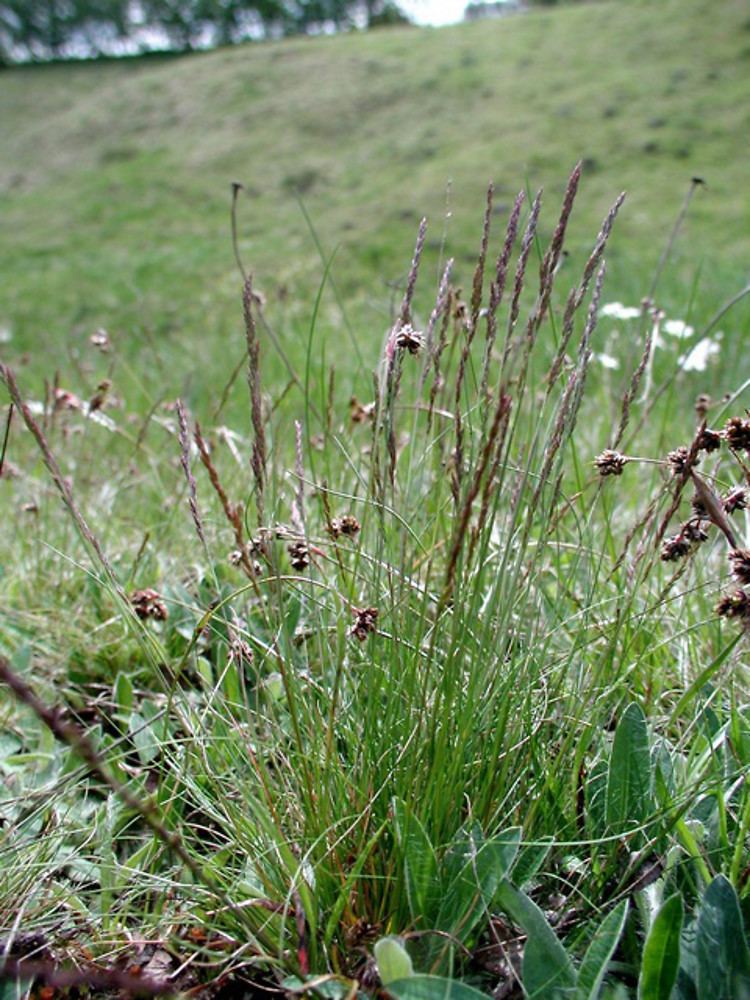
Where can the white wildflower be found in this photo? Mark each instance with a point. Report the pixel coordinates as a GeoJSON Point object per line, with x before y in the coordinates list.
{"type": "Point", "coordinates": [678, 328]}
{"type": "Point", "coordinates": [607, 361]}
{"type": "Point", "coordinates": [616, 310]}
{"type": "Point", "coordinates": [6, 335]}
{"type": "Point", "coordinates": [696, 360]}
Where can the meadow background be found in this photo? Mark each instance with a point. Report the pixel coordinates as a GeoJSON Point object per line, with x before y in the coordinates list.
{"type": "Point", "coordinates": [289, 777]}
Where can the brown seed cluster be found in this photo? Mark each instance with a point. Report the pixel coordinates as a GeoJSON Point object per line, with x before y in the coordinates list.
{"type": "Point", "coordinates": [360, 413]}
{"type": "Point", "coordinates": [735, 499]}
{"type": "Point", "coordinates": [737, 433]}
{"type": "Point", "coordinates": [149, 603]}
{"type": "Point", "coordinates": [365, 622]}
{"type": "Point", "coordinates": [610, 463]}
{"type": "Point", "coordinates": [346, 525]}
{"type": "Point", "coordinates": [735, 605]}
{"type": "Point", "coordinates": [739, 560]}
{"type": "Point", "coordinates": [680, 461]}
{"type": "Point", "coordinates": [409, 339]}
{"type": "Point", "coordinates": [709, 440]}
{"type": "Point", "coordinates": [299, 555]}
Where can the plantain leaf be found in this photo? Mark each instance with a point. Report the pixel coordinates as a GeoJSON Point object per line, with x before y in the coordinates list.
{"type": "Point", "coordinates": [599, 952]}
{"type": "Point", "coordinates": [629, 796]}
{"type": "Point", "coordinates": [661, 952]}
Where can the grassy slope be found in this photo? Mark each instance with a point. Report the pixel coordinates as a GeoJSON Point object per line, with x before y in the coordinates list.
{"type": "Point", "coordinates": [115, 177]}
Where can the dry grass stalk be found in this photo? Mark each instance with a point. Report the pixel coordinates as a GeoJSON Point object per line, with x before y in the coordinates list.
{"type": "Point", "coordinates": [259, 454]}
{"type": "Point", "coordinates": [632, 390]}
{"type": "Point", "coordinates": [499, 417]}
{"type": "Point", "coordinates": [573, 392]}
{"type": "Point", "coordinates": [232, 512]}
{"type": "Point", "coordinates": [551, 258]}
{"type": "Point", "coordinates": [441, 304]}
{"type": "Point", "coordinates": [497, 288]}
{"type": "Point", "coordinates": [577, 295]}
{"type": "Point", "coordinates": [184, 439]}
{"type": "Point", "coordinates": [518, 282]}
{"type": "Point", "coordinates": [478, 280]}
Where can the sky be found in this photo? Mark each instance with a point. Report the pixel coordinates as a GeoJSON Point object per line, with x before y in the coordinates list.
{"type": "Point", "coordinates": [434, 11]}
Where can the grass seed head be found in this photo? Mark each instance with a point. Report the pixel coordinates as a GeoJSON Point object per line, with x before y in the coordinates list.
{"type": "Point", "coordinates": [739, 560]}
{"type": "Point", "coordinates": [735, 605]}
{"type": "Point", "coordinates": [149, 603]}
{"type": "Point", "coordinates": [674, 548]}
{"type": "Point", "coordinates": [735, 499]}
{"type": "Point", "coordinates": [365, 622]}
{"type": "Point", "coordinates": [737, 433]}
{"type": "Point", "coordinates": [610, 463]}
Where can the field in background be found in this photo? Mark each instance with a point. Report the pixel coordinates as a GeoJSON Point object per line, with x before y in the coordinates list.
{"type": "Point", "coordinates": [115, 176]}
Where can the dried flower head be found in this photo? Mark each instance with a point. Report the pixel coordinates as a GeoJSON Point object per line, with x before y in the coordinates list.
{"type": "Point", "coordinates": [679, 461]}
{"type": "Point", "coordinates": [737, 433]}
{"type": "Point", "coordinates": [100, 340]}
{"type": "Point", "coordinates": [674, 548]}
{"type": "Point", "coordinates": [734, 605]}
{"type": "Point", "coordinates": [360, 413]}
{"type": "Point", "coordinates": [365, 622]}
{"type": "Point", "coordinates": [610, 463]}
{"type": "Point", "coordinates": [739, 560]}
{"type": "Point", "coordinates": [65, 400]}
{"type": "Point", "coordinates": [694, 532]}
{"type": "Point", "coordinates": [299, 555]}
{"type": "Point", "coordinates": [709, 440]}
{"type": "Point", "coordinates": [409, 339]}
{"type": "Point", "coordinates": [702, 405]}
{"type": "Point", "coordinates": [149, 603]}
{"type": "Point", "coordinates": [735, 499]}
{"type": "Point", "coordinates": [346, 525]}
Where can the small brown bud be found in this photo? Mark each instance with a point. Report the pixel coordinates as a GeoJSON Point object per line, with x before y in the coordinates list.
{"type": "Point", "coordinates": [299, 555]}
{"type": "Point", "coordinates": [702, 405]}
{"type": "Point", "coordinates": [149, 603]}
{"type": "Point", "coordinates": [365, 622]}
{"type": "Point", "coordinates": [734, 605]}
{"type": "Point", "coordinates": [739, 560]}
{"type": "Point", "coordinates": [735, 499]}
{"type": "Point", "coordinates": [737, 433]}
{"type": "Point", "coordinates": [408, 339]}
{"type": "Point", "coordinates": [346, 525]}
{"type": "Point", "coordinates": [674, 548]}
{"type": "Point", "coordinates": [709, 440]}
{"type": "Point", "coordinates": [360, 413]}
{"type": "Point", "coordinates": [679, 461]}
{"type": "Point", "coordinates": [610, 463]}
{"type": "Point", "coordinates": [694, 531]}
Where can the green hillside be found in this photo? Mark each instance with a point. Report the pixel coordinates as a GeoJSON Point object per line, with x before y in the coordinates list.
{"type": "Point", "coordinates": [115, 176]}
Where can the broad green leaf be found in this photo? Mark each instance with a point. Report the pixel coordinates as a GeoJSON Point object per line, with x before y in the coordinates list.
{"type": "Point", "coordinates": [599, 952]}
{"type": "Point", "coordinates": [547, 970]}
{"type": "Point", "coordinates": [661, 953]}
{"type": "Point", "coordinates": [473, 887]}
{"type": "Point", "coordinates": [144, 737]}
{"type": "Point", "coordinates": [722, 954]}
{"type": "Point", "coordinates": [420, 866]}
{"type": "Point", "coordinates": [629, 799]}
{"type": "Point", "coordinates": [529, 861]}
{"type": "Point", "coordinates": [393, 960]}
{"type": "Point", "coordinates": [123, 694]}
{"type": "Point", "coordinates": [433, 988]}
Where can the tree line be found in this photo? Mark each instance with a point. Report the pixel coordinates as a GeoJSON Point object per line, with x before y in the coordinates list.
{"type": "Point", "coordinates": [54, 29]}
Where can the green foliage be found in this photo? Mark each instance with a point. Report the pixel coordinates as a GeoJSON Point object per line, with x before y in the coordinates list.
{"type": "Point", "coordinates": [661, 952]}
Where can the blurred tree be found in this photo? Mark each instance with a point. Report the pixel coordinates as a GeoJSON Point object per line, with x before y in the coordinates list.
{"type": "Point", "coordinates": [50, 29]}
